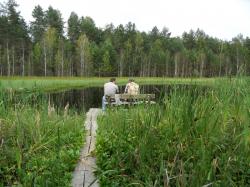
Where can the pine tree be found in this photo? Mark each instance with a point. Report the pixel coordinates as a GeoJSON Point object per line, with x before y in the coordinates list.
{"type": "Point", "coordinates": [38, 25]}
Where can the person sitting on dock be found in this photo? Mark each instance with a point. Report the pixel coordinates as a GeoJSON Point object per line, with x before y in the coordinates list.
{"type": "Point", "coordinates": [110, 89]}
{"type": "Point", "coordinates": [132, 88]}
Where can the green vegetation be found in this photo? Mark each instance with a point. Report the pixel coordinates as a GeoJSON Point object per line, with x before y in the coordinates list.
{"type": "Point", "coordinates": [56, 83]}
{"type": "Point", "coordinates": [198, 136]}
{"type": "Point", "coordinates": [38, 146]}
{"type": "Point", "coordinates": [43, 47]}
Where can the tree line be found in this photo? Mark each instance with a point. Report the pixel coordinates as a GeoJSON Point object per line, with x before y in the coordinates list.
{"type": "Point", "coordinates": [45, 47]}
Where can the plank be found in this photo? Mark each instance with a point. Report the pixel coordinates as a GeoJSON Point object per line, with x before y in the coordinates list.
{"type": "Point", "coordinates": [83, 175]}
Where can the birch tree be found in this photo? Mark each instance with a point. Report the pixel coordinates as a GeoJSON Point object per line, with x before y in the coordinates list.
{"type": "Point", "coordinates": [49, 42]}
{"type": "Point", "coordinates": [83, 49]}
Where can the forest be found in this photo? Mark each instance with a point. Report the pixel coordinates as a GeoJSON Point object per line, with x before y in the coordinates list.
{"type": "Point", "coordinates": [49, 46]}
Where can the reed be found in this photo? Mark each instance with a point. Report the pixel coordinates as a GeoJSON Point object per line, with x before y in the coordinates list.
{"type": "Point", "coordinates": [198, 136]}
{"type": "Point", "coordinates": [37, 149]}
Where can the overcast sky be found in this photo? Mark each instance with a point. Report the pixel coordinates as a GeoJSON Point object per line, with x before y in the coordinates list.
{"type": "Point", "coordinates": [223, 19]}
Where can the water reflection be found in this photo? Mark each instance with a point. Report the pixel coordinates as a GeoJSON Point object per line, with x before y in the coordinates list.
{"type": "Point", "coordinates": [87, 98]}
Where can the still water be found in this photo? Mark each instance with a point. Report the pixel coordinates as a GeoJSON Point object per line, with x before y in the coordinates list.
{"type": "Point", "coordinates": [83, 99]}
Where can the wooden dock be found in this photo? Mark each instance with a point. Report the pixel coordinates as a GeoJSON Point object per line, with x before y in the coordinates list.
{"type": "Point", "coordinates": [128, 99]}
{"type": "Point", "coordinates": [83, 175]}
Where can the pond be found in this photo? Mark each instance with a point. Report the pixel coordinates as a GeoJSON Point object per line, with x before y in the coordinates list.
{"type": "Point", "coordinates": [83, 99]}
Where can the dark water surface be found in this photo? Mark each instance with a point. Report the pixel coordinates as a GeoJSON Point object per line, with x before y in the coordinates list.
{"type": "Point", "coordinates": [83, 99]}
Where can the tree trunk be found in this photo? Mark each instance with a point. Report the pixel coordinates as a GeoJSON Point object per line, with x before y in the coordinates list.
{"type": "Point", "coordinates": [58, 70]}
{"type": "Point", "coordinates": [183, 70]}
{"type": "Point", "coordinates": [62, 65]}
{"type": "Point", "coordinates": [154, 70]}
{"type": "Point", "coordinates": [45, 59]}
{"type": "Point", "coordinates": [23, 71]}
{"type": "Point", "coordinates": [121, 63]}
{"type": "Point", "coordinates": [8, 58]}
{"type": "Point", "coordinates": [29, 71]}
{"type": "Point", "coordinates": [141, 71]}
{"type": "Point", "coordinates": [176, 65]}
{"type": "Point", "coordinates": [149, 67]}
{"type": "Point", "coordinates": [201, 69]}
{"type": "Point", "coordinates": [166, 68]}
{"type": "Point", "coordinates": [13, 60]}
{"type": "Point", "coordinates": [129, 71]}
{"type": "Point", "coordinates": [220, 56]}
{"type": "Point", "coordinates": [82, 62]}
{"type": "Point", "coordinates": [134, 65]}
{"type": "Point", "coordinates": [202, 64]}
{"type": "Point", "coordinates": [70, 67]}
{"type": "Point", "coordinates": [237, 61]}
{"type": "Point", "coordinates": [1, 65]}
{"type": "Point", "coordinates": [220, 67]}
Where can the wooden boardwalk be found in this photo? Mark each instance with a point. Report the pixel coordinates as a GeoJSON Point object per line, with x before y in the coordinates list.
{"type": "Point", "coordinates": [83, 175]}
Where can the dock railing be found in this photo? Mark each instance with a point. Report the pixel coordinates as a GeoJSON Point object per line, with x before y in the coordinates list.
{"type": "Point", "coordinates": [129, 99]}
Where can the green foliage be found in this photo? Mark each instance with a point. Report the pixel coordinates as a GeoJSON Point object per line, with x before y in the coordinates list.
{"type": "Point", "coordinates": [87, 26]}
{"type": "Point", "coordinates": [131, 52]}
{"type": "Point", "coordinates": [83, 49]}
{"type": "Point", "coordinates": [106, 66]}
{"type": "Point", "coordinates": [53, 19]}
{"type": "Point", "coordinates": [73, 27]}
{"type": "Point", "coordinates": [198, 136]}
{"type": "Point", "coordinates": [37, 148]}
{"type": "Point", "coordinates": [108, 58]}
{"type": "Point", "coordinates": [16, 26]}
{"type": "Point", "coordinates": [37, 53]}
{"type": "Point", "coordinates": [50, 44]}
{"type": "Point", "coordinates": [38, 25]}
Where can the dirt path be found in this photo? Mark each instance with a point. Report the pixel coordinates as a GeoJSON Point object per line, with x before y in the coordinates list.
{"type": "Point", "coordinates": [83, 175]}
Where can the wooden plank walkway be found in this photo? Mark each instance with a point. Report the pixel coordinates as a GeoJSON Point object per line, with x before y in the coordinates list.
{"type": "Point", "coordinates": [83, 175]}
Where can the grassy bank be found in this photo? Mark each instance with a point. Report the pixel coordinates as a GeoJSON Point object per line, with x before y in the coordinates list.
{"type": "Point", "coordinates": [195, 138]}
{"type": "Point", "coordinates": [55, 83]}
{"type": "Point", "coordinates": [37, 147]}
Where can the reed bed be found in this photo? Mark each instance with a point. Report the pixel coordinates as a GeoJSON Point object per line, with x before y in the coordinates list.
{"type": "Point", "coordinates": [58, 83]}
{"type": "Point", "coordinates": [195, 137]}
{"type": "Point", "coordinates": [37, 147]}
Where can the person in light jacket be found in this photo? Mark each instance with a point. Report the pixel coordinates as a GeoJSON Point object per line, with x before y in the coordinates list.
{"type": "Point", "coordinates": [110, 89]}
{"type": "Point", "coordinates": [132, 88]}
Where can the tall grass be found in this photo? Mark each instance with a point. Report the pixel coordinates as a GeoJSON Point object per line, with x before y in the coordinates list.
{"type": "Point", "coordinates": [37, 149]}
{"type": "Point", "coordinates": [196, 137]}
{"type": "Point", "coordinates": [57, 83]}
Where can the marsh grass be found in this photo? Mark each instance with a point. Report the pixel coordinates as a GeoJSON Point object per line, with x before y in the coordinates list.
{"type": "Point", "coordinates": [59, 83]}
{"type": "Point", "coordinates": [196, 137]}
{"type": "Point", "coordinates": [37, 150]}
